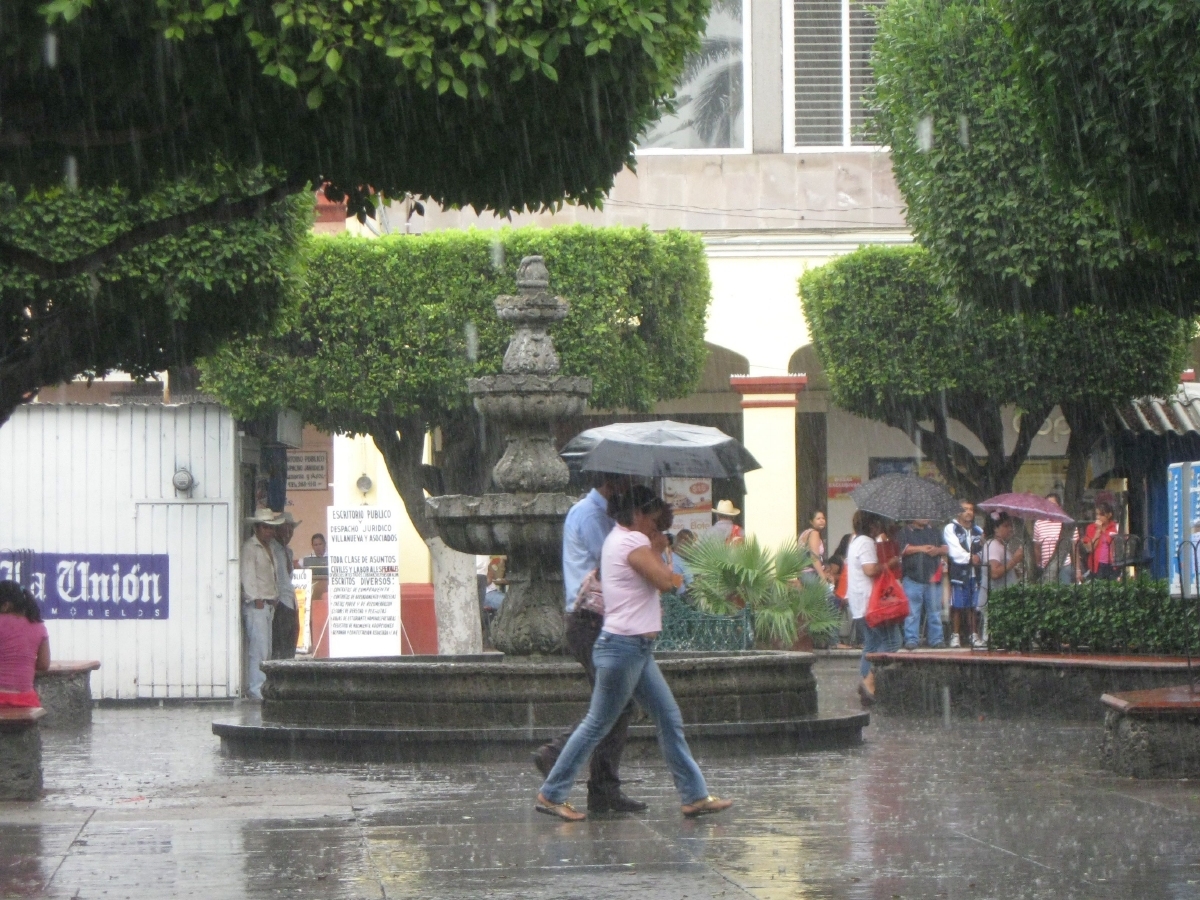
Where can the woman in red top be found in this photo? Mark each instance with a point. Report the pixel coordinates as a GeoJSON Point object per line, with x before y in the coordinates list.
{"type": "Point", "coordinates": [1099, 543]}
{"type": "Point", "coordinates": [24, 646]}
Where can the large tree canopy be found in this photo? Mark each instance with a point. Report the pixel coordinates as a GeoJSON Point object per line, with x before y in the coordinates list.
{"type": "Point", "coordinates": [981, 193]}
{"type": "Point", "coordinates": [139, 308]}
{"type": "Point", "coordinates": [898, 348]}
{"type": "Point", "coordinates": [381, 342]}
{"type": "Point", "coordinates": [1116, 85]}
{"type": "Point", "coordinates": [504, 105]}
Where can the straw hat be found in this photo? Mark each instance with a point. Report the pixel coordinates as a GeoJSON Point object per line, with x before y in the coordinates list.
{"type": "Point", "coordinates": [289, 519]}
{"type": "Point", "coordinates": [726, 508]}
{"type": "Point", "coordinates": [264, 516]}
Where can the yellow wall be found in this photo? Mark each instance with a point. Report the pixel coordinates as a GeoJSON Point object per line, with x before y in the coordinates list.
{"type": "Point", "coordinates": [356, 456]}
{"type": "Point", "coordinates": [770, 505]}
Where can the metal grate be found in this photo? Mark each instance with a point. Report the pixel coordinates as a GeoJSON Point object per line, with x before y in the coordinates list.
{"type": "Point", "coordinates": [687, 628]}
{"type": "Point", "coordinates": [818, 72]}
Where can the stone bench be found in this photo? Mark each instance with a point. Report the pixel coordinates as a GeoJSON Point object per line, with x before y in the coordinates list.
{"type": "Point", "coordinates": [1154, 733]}
{"type": "Point", "coordinates": [20, 754]}
{"type": "Point", "coordinates": [66, 693]}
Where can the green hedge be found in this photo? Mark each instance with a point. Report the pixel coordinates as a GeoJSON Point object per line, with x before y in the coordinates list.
{"type": "Point", "coordinates": [1135, 616]}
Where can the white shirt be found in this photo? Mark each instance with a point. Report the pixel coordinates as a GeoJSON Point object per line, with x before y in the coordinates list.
{"type": "Point", "coordinates": [861, 552]}
{"type": "Point", "coordinates": [258, 571]}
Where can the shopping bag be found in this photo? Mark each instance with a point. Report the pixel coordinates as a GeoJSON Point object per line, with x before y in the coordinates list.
{"type": "Point", "coordinates": [888, 601]}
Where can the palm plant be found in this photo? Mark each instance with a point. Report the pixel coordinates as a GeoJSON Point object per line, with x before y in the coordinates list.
{"type": "Point", "coordinates": [746, 574]}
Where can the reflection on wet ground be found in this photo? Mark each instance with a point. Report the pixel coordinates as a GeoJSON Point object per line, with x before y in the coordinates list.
{"type": "Point", "coordinates": [144, 805]}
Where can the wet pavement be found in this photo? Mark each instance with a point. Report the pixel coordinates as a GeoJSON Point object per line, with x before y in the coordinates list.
{"type": "Point", "coordinates": [144, 805]}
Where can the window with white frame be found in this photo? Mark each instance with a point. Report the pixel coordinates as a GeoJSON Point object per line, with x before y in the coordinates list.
{"type": "Point", "coordinates": [831, 70]}
{"type": "Point", "coordinates": [711, 103]}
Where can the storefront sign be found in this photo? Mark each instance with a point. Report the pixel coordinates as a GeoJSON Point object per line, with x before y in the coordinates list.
{"type": "Point", "coordinates": [840, 486]}
{"type": "Point", "coordinates": [691, 501]}
{"type": "Point", "coordinates": [307, 470]}
{"type": "Point", "coordinates": [364, 581]}
{"type": "Point", "coordinates": [94, 585]}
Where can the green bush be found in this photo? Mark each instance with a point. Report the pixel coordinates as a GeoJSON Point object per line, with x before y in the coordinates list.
{"type": "Point", "coordinates": [1136, 616]}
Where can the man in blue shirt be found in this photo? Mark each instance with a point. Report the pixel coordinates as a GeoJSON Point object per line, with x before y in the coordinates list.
{"type": "Point", "coordinates": [586, 526]}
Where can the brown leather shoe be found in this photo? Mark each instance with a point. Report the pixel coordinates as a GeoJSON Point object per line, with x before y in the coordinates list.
{"type": "Point", "coordinates": [706, 807]}
{"type": "Point", "coordinates": [564, 811]}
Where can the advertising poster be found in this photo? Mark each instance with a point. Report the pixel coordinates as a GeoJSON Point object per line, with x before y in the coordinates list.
{"type": "Point", "coordinates": [1176, 530]}
{"type": "Point", "coordinates": [364, 581]}
{"type": "Point", "coordinates": [302, 580]}
{"type": "Point", "coordinates": [307, 470]}
{"type": "Point", "coordinates": [691, 501]}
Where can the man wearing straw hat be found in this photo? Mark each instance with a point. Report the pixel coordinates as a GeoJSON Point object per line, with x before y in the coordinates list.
{"type": "Point", "coordinates": [726, 528]}
{"type": "Point", "coordinates": [285, 626]}
{"type": "Point", "coordinates": [260, 594]}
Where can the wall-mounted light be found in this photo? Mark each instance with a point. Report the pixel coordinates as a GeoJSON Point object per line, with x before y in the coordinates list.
{"type": "Point", "coordinates": [183, 482]}
{"type": "Point", "coordinates": [364, 483]}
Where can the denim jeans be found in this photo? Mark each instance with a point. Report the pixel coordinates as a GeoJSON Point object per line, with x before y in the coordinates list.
{"type": "Point", "coordinates": [258, 645]}
{"type": "Point", "coordinates": [625, 668]}
{"type": "Point", "coordinates": [927, 597]}
{"type": "Point", "coordinates": [884, 639]}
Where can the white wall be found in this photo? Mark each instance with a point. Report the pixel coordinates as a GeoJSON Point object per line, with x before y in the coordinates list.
{"type": "Point", "coordinates": [97, 479]}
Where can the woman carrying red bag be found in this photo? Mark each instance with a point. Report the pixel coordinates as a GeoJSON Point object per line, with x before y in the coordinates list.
{"type": "Point", "coordinates": [862, 568]}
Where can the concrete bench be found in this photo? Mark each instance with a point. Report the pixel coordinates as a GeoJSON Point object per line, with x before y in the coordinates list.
{"type": "Point", "coordinates": [1153, 734]}
{"type": "Point", "coordinates": [20, 754]}
{"type": "Point", "coordinates": [66, 693]}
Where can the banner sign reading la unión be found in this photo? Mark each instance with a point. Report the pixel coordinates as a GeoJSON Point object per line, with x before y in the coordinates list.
{"type": "Point", "coordinates": [94, 585]}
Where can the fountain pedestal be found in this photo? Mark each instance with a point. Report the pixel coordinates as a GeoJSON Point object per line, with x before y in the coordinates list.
{"type": "Point", "coordinates": [523, 520]}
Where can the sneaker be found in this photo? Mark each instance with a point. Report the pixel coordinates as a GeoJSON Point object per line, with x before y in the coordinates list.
{"type": "Point", "coordinates": [955, 643]}
{"type": "Point", "coordinates": [977, 643]}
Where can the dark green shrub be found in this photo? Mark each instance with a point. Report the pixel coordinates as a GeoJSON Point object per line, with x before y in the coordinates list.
{"type": "Point", "coordinates": [1136, 616]}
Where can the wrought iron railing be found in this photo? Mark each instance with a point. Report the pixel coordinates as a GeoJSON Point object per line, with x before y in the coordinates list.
{"type": "Point", "coordinates": [688, 628]}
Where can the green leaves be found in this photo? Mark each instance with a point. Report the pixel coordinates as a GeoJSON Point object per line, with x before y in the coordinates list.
{"type": "Point", "coordinates": [729, 577]}
{"type": "Point", "coordinates": [382, 323]}
{"type": "Point", "coordinates": [1133, 616]}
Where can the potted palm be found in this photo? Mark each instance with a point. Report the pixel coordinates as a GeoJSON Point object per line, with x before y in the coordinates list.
{"type": "Point", "coordinates": [744, 574]}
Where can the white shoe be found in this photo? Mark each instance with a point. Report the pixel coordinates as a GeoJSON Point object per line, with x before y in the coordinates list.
{"type": "Point", "coordinates": [978, 644]}
{"type": "Point", "coordinates": [955, 643]}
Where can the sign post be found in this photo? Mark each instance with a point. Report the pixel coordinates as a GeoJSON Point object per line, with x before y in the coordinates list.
{"type": "Point", "coordinates": [364, 581]}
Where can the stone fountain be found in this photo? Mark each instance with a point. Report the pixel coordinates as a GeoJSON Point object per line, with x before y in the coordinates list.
{"type": "Point", "coordinates": [494, 706]}
{"type": "Point", "coordinates": [523, 520]}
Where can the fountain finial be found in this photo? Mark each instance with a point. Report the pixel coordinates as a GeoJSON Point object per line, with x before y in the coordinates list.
{"type": "Point", "coordinates": [532, 310]}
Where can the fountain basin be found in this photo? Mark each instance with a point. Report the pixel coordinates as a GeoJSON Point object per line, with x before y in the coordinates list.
{"type": "Point", "coordinates": [521, 399]}
{"type": "Point", "coordinates": [495, 523]}
{"type": "Point", "coordinates": [494, 708]}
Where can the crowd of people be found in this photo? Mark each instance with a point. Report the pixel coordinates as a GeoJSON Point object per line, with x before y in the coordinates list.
{"type": "Point", "coordinates": [948, 571]}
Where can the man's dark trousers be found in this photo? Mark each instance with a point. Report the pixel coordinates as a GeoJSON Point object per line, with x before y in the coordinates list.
{"type": "Point", "coordinates": [583, 627]}
{"type": "Point", "coordinates": [285, 628]}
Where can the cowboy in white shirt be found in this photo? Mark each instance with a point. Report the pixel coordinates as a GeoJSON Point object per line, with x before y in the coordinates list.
{"type": "Point", "coordinates": [260, 593]}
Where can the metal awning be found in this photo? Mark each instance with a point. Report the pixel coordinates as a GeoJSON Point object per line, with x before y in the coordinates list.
{"type": "Point", "coordinates": [1178, 414]}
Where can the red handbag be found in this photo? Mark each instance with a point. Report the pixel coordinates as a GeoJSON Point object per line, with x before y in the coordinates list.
{"type": "Point", "coordinates": [888, 601]}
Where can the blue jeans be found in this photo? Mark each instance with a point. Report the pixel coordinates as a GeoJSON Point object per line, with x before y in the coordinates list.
{"type": "Point", "coordinates": [625, 668]}
{"type": "Point", "coordinates": [927, 597]}
{"type": "Point", "coordinates": [258, 646]}
{"type": "Point", "coordinates": [884, 639]}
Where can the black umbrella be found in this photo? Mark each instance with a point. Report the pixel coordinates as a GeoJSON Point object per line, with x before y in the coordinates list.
{"type": "Point", "coordinates": [906, 497]}
{"type": "Point", "coordinates": [659, 449]}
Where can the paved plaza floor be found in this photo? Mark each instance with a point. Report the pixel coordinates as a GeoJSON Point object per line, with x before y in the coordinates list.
{"type": "Point", "coordinates": [144, 805]}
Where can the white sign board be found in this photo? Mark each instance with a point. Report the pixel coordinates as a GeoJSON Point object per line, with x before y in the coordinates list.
{"type": "Point", "coordinates": [364, 581]}
{"type": "Point", "coordinates": [307, 470]}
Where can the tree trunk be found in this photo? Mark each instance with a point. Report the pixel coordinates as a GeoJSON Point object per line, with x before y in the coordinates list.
{"type": "Point", "coordinates": [455, 600]}
{"type": "Point", "coordinates": [401, 440]}
{"type": "Point", "coordinates": [1084, 431]}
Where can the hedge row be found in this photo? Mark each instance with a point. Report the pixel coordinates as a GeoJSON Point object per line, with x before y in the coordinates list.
{"type": "Point", "coordinates": [1135, 616]}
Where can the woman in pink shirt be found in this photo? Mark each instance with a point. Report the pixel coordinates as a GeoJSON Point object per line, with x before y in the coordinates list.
{"type": "Point", "coordinates": [633, 573]}
{"type": "Point", "coordinates": [24, 646]}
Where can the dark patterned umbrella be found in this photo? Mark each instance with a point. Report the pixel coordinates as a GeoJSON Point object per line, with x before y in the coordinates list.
{"type": "Point", "coordinates": [905, 498]}
{"type": "Point", "coordinates": [657, 449]}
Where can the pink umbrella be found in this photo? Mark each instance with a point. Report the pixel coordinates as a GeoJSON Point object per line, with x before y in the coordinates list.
{"type": "Point", "coordinates": [1026, 506]}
